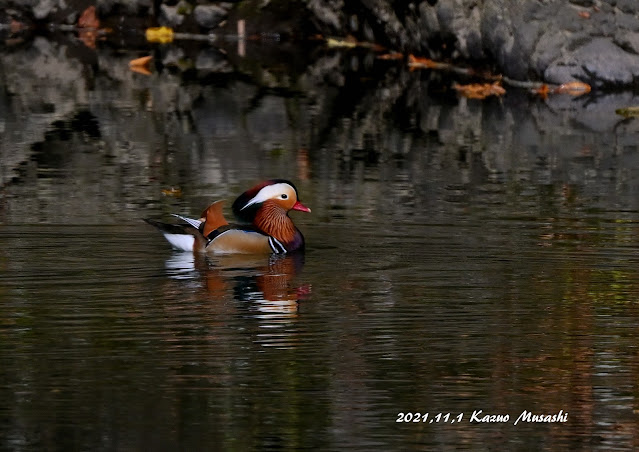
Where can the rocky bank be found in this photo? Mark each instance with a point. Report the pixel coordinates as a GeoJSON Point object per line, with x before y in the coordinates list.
{"type": "Point", "coordinates": [556, 41]}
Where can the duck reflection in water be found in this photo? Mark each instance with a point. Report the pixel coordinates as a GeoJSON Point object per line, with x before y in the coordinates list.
{"type": "Point", "coordinates": [267, 282]}
{"type": "Point", "coordinates": [261, 287]}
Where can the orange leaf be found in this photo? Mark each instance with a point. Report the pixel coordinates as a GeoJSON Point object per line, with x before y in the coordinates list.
{"type": "Point", "coordinates": [573, 88]}
{"type": "Point", "coordinates": [480, 90]}
{"type": "Point", "coordinates": [141, 65]}
{"type": "Point", "coordinates": [584, 14]}
{"type": "Point", "coordinates": [143, 61]}
{"type": "Point", "coordinates": [140, 70]}
{"type": "Point", "coordinates": [391, 56]}
{"type": "Point", "coordinates": [419, 62]}
{"type": "Point", "coordinates": [88, 36]}
{"type": "Point", "coordinates": [542, 91]}
{"type": "Point", "coordinates": [89, 19]}
{"type": "Point", "coordinates": [377, 47]}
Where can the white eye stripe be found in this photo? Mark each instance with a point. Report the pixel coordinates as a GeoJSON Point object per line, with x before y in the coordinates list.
{"type": "Point", "coordinates": [269, 192]}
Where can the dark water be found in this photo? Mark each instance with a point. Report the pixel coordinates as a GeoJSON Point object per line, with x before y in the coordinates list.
{"type": "Point", "coordinates": [462, 256]}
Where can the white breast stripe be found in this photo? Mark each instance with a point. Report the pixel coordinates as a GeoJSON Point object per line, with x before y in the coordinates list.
{"type": "Point", "coordinates": [276, 245]}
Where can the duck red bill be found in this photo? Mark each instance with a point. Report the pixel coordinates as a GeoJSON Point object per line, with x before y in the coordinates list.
{"type": "Point", "coordinates": [301, 207]}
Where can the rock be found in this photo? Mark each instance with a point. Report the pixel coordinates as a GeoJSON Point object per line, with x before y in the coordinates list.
{"type": "Point", "coordinates": [209, 16]}
{"type": "Point", "coordinates": [170, 17]}
{"type": "Point", "coordinates": [128, 7]}
{"type": "Point", "coordinates": [599, 62]}
{"type": "Point", "coordinates": [628, 41]}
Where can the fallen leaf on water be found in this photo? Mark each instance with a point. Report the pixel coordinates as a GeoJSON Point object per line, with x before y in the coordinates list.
{"type": "Point", "coordinates": [16, 27]}
{"type": "Point", "coordinates": [140, 70]}
{"type": "Point", "coordinates": [542, 91]}
{"type": "Point", "coordinates": [163, 35]}
{"type": "Point", "coordinates": [175, 192]}
{"type": "Point", "coordinates": [391, 56]}
{"type": "Point", "coordinates": [142, 61]}
{"type": "Point", "coordinates": [374, 47]}
{"type": "Point", "coordinates": [418, 62]}
{"type": "Point", "coordinates": [628, 112]}
{"type": "Point", "coordinates": [88, 19]}
{"type": "Point", "coordinates": [480, 90]}
{"type": "Point", "coordinates": [88, 36]}
{"type": "Point", "coordinates": [573, 88]}
{"type": "Point", "coordinates": [141, 65]}
{"type": "Point", "coordinates": [349, 42]}
{"type": "Point", "coordinates": [88, 23]}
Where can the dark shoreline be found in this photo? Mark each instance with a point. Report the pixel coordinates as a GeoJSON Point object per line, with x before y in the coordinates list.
{"type": "Point", "coordinates": [596, 42]}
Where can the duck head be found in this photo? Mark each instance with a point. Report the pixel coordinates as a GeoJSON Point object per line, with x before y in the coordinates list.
{"type": "Point", "coordinates": [272, 195]}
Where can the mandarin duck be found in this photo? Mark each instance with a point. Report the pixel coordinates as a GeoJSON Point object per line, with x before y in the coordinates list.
{"type": "Point", "coordinates": [265, 226]}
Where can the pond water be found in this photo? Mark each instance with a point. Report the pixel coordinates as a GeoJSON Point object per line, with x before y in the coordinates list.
{"type": "Point", "coordinates": [462, 255]}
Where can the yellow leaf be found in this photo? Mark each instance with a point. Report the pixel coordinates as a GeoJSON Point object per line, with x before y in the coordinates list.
{"type": "Point", "coordinates": [628, 112]}
{"type": "Point", "coordinates": [332, 42]}
{"type": "Point", "coordinates": [163, 35]}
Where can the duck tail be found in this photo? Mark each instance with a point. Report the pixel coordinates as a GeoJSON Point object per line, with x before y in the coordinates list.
{"type": "Point", "coordinates": [181, 236]}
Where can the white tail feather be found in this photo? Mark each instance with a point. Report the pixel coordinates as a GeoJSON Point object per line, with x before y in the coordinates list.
{"type": "Point", "coordinates": [195, 223]}
{"type": "Point", "coordinates": [183, 242]}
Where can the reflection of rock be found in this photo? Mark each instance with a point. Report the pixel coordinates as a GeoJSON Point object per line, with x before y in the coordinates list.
{"type": "Point", "coordinates": [45, 86]}
{"type": "Point", "coordinates": [43, 8]}
{"type": "Point", "coordinates": [212, 61]}
{"type": "Point", "coordinates": [198, 122]}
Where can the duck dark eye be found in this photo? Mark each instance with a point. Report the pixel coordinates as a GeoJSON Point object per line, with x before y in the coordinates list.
{"type": "Point", "coordinates": [284, 196]}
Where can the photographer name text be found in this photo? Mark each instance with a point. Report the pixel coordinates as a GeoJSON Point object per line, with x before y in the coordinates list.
{"type": "Point", "coordinates": [479, 417]}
